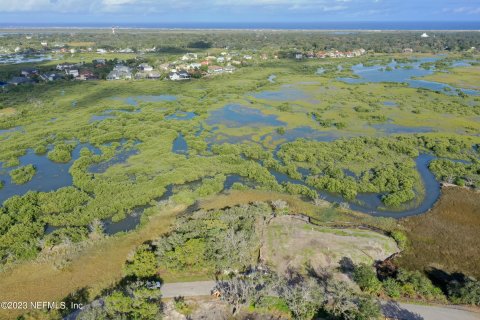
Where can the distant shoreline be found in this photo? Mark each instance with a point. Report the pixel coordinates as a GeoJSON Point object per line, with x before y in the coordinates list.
{"type": "Point", "coordinates": [351, 26]}
{"type": "Point", "coordinates": [339, 31]}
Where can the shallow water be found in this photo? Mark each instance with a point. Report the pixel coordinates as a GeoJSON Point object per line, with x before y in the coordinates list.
{"type": "Point", "coordinates": [391, 128]}
{"type": "Point", "coordinates": [133, 219]}
{"type": "Point", "coordinates": [48, 177]}
{"type": "Point", "coordinates": [120, 157]}
{"type": "Point", "coordinates": [401, 74]}
{"type": "Point", "coordinates": [237, 116]}
{"type": "Point", "coordinates": [390, 104]}
{"type": "Point", "coordinates": [303, 132]}
{"type": "Point", "coordinates": [96, 118]}
{"type": "Point", "coordinates": [5, 132]}
{"type": "Point", "coordinates": [180, 145]}
{"type": "Point", "coordinates": [21, 58]}
{"type": "Point", "coordinates": [181, 115]}
{"type": "Point", "coordinates": [286, 93]}
{"type": "Point", "coordinates": [371, 203]}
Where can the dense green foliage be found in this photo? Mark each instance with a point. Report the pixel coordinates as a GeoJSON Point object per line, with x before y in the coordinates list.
{"type": "Point", "coordinates": [467, 292]}
{"type": "Point", "coordinates": [143, 265]}
{"type": "Point", "coordinates": [23, 174]}
{"type": "Point", "coordinates": [214, 240]}
{"type": "Point", "coordinates": [366, 278]}
{"type": "Point", "coordinates": [407, 284]}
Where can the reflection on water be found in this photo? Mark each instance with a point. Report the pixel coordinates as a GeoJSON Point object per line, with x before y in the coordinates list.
{"type": "Point", "coordinates": [391, 128]}
{"type": "Point", "coordinates": [403, 73]}
{"type": "Point", "coordinates": [181, 115]}
{"type": "Point", "coordinates": [180, 145]}
{"type": "Point", "coordinates": [286, 93]}
{"type": "Point", "coordinates": [236, 116]}
{"type": "Point", "coordinates": [134, 218]}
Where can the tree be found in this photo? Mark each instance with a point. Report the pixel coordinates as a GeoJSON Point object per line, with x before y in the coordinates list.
{"type": "Point", "coordinates": [143, 265]}
{"type": "Point", "coordinates": [366, 278]}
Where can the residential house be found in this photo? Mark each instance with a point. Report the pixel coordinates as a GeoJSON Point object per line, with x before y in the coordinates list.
{"type": "Point", "coordinates": [221, 59]}
{"type": "Point", "coordinates": [425, 35]}
{"type": "Point", "coordinates": [189, 57]}
{"type": "Point", "coordinates": [229, 69]}
{"type": "Point", "coordinates": [65, 66]}
{"type": "Point", "coordinates": [247, 57]}
{"type": "Point", "coordinates": [165, 66]}
{"type": "Point", "coordinates": [215, 69]}
{"type": "Point", "coordinates": [153, 75]}
{"type": "Point", "coordinates": [72, 72]}
{"type": "Point", "coordinates": [120, 72]}
{"type": "Point", "coordinates": [50, 76]}
{"type": "Point", "coordinates": [179, 75]}
{"type": "Point", "coordinates": [408, 50]}
{"type": "Point", "coordinates": [86, 75]}
{"type": "Point", "coordinates": [194, 65]}
{"type": "Point", "coordinates": [298, 55]}
{"type": "Point", "coordinates": [101, 51]}
{"type": "Point", "coordinates": [28, 72]}
{"type": "Point", "coordinates": [145, 67]}
{"type": "Point", "coordinates": [20, 80]}
{"type": "Point", "coordinates": [99, 62]}
{"type": "Point", "coordinates": [148, 75]}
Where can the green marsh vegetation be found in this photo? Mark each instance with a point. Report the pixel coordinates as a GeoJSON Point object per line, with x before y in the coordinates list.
{"type": "Point", "coordinates": [23, 174]}
{"type": "Point", "coordinates": [381, 162]}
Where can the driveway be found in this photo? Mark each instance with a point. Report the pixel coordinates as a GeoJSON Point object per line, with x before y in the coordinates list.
{"type": "Point", "coordinates": [403, 311]}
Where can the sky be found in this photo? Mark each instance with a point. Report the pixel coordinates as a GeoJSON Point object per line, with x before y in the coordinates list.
{"type": "Point", "coordinates": [235, 11]}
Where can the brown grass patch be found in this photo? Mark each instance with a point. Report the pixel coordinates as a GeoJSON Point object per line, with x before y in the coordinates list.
{"type": "Point", "coordinates": [81, 44]}
{"type": "Point", "coordinates": [6, 112]}
{"type": "Point", "coordinates": [236, 197]}
{"type": "Point", "coordinates": [448, 236]}
{"type": "Point", "coordinates": [96, 268]}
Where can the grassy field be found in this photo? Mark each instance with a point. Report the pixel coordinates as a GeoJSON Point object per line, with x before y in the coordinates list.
{"type": "Point", "coordinates": [292, 243]}
{"type": "Point", "coordinates": [447, 237]}
{"type": "Point", "coordinates": [96, 267]}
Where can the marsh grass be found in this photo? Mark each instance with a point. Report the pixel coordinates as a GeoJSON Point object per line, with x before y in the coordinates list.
{"type": "Point", "coordinates": [447, 237]}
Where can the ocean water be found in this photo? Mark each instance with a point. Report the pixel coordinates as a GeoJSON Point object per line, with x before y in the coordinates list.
{"type": "Point", "coordinates": [353, 25]}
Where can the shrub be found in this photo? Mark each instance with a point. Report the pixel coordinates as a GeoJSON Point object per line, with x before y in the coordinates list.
{"type": "Point", "coordinates": [465, 293]}
{"type": "Point", "coordinates": [400, 238]}
{"type": "Point", "coordinates": [23, 174]}
{"type": "Point", "coordinates": [366, 278]}
{"type": "Point", "coordinates": [143, 264]}
{"type": "Point", "coordinates": [392, 288]}
{"type": "Point", "coordinates": [61, 153]}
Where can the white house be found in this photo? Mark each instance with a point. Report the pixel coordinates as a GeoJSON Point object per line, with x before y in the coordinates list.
{"type": "Point", "coordinates": [72, 72]}
{"type": "Point", "coordinates": [189, 56]}
{"type": "Point", "coordinates": [178, 75]}
{"type": "Point", "coordinates": [145, 67]}
{"type": "Point", "coordinates": [425, 35]}
{"type": "Point", "coordinates": [120, 72]}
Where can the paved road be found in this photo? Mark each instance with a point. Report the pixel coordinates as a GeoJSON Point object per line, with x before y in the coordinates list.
{"type": "Point", "coordinates": [403, 311]}
{"type": "Point", "coordinates": [399, 311]}
{"type": "Point", "coordinates": [187, 289]}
